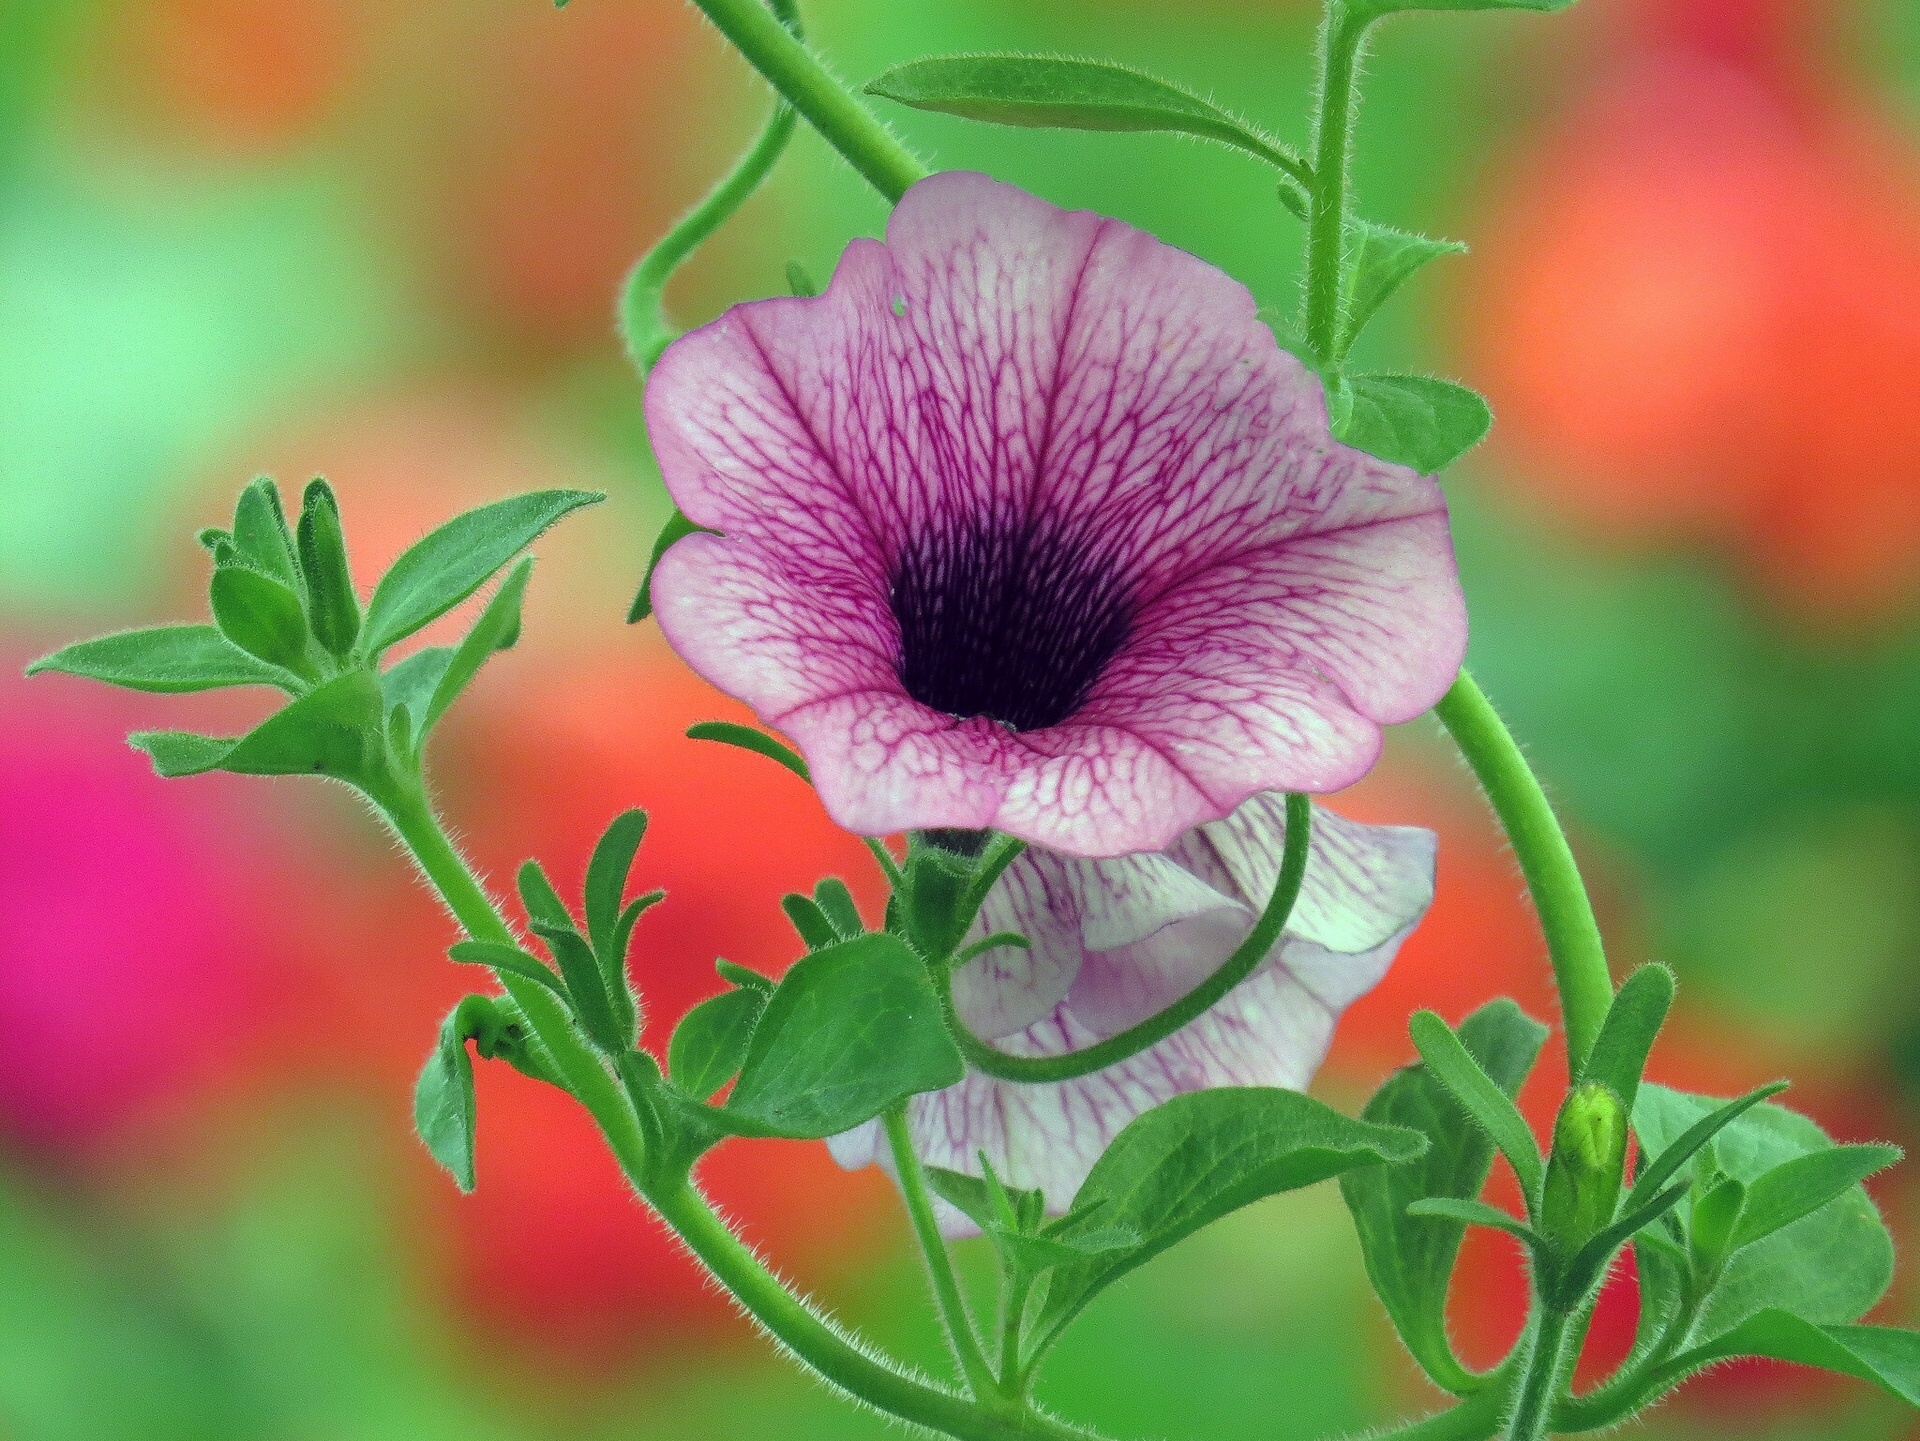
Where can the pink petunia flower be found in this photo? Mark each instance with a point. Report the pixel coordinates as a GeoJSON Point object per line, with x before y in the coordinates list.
{"type": "Point", "coordinates": [1028, 523]}
{"type": "Point", "coordinates": [1115, 941]}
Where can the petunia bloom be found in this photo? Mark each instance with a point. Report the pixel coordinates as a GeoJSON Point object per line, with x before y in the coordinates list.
{"type": "Point", "coordinates": [1028, 523]}
{"type": "Point", "coordinates": [1114, 941]}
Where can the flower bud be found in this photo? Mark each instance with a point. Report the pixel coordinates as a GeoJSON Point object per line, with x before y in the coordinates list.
{"type": "Point", "coordinates": [332, 607]}
{"type": "Point", "coordinates": [1584, 1172]}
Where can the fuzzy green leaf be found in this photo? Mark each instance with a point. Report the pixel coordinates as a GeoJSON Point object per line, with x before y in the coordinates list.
{"type": "Point", "coordinates": [1490, 1107]}
{"type": "Point", "coordinates": [746, 738]}
{"type": "Point", "coordinates": [851, 1030]}
{"type": "Point", "coordinates": [1196, 1158]}
{"type": "Point", "coordinates": [1884, 1355]}
{"type": "Point", "coordinates": [1626, 1038]}
{"type": "Point", "coordinates": [1411, 420]}
{"type": "Point", "coordinates": [333, 609]}
{"type": "Point", "coordinates": [336, 730]}
{"type": "Point", "coordinates": [678, 527]}
{"type": "Point", "coordinates": [711, 1041]}
{"type": "Point", "coordinates": [260, 615]}
{"type": "Point", "coordinates": [497, 629]}
{"type": "Point", "coordinates": [449, 564]}
{"type": "Point", "coordinates": [261, 536]}
{"type": "Point", "coordinates": [606, 887]}
{"type": "Point", "coordinates": [1804, 1185]}
{"type": "Point", "coordinates": [1069, 93]}
{"type": "Point", "coordinates": [168, 659]}
{"type": "Point", "coordinates": [1383, 260]}
{"type": "Point", "coordinates": [1828, 1267]}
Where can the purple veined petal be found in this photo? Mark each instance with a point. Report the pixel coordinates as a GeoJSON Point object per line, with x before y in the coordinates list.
{"type": "Point", "coordinates": [1129, 936]}
{"type": "Point", "coordinates": [1029, 523]}
{"type": "Point", "coordinates": [1008, 989]}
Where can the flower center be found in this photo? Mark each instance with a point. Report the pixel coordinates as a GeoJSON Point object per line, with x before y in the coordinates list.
{"type": "Point", "coordinates": [1007, 620]}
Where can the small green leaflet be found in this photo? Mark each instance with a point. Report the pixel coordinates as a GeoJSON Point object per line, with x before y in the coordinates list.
{"type": "Point", "coordinates": [168, 659]}
{"type": "Point", "coordinates": [1070, 93]}
{"type": "Point", "coordinates": [1411, 420]}
{"type": "Point", "coordinates": [711, 1041]}
{"type": "Point", "coordinates": [1884, 1355]}
{"type": "Point", "coordinates": [497, 629]}
{"type": "Point", "coordinates": [678, 527]}
{"type": "Point", "coordinates": [1383, 259]}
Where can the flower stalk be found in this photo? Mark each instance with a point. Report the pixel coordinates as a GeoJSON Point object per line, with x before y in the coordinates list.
{"type": "Point", "coordinates": [1341, 36]}
{"type": "Point", "coordinates": [954, 1316]}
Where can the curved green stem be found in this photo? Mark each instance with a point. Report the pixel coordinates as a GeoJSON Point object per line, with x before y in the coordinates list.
{"type": "Point", "coordinates": [961, 1336]}
{"type": "Point", "coordinates": [642, 320]}
{"type": "Point", "coordinates": [836, 1359]}
{"type": "Point", "coordinates": [1475, 1419]}
{"type": "Point", "coordinates": [1546, 860]}
{"type": "Point", "coordinates": [832, 109]}
{"type": "Point", "coordinates": [1156, 1028]}
{"type": "Point", "coordinates": [1340, 37]}
{"type": "Point", "coordinates": [412, 818]}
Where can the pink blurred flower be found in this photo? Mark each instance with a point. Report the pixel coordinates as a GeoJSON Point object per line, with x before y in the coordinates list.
{"type": "Point", "coordinates": [1028, 523]}
{"type": "Point", "coordinates": [1115, 941]}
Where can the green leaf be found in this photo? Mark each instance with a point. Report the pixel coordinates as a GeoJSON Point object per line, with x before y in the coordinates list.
{"type": "Point", "coordinates": [1667, 1159]}
{"type": "Point", "coordinates": [1626, 1038]}
{"type": "Point", "coordinates": [973, 1197]}
{"type": "Point", "coordinates": [1590, 1264]}
{"type": "Point", "coordinates": [1887, 1357]}
{"type": "Point", "coordinates": [678, 527]}
{"type": "Point", "coordinates": [1714, 1217]}
{"type": "Point", "coordinates": [836, 903]}
{"type": "Point", "coordinates": [711, 1041]}
{"type": "Point", "coordinates": [439, 571]}
{"type": "Point", "coordinates": [1034, 1253]}
{"type": "Point", "coordinates": [334, 730]}
{"type": "Point", "coordinates": [443, 1102]}
{"type": "Point", "coordinates": [614, 958]}
{"type": "Point", "coordinates": [1194, 1159]}
{"type": "Point", "coordinates": [608, 1023]}
{"type": "Point", "coordinates": [512, 959]}
{"type": "Point", "coordinates": [260, 615]}
{"type": "Point", "coordinates": [745, 976]}
{"type": "Point", "coordinates": [542, 901]}
{"type": "Point", "coordinates": [1490, 1107]}
{"type": "Point", "coordinates": [260, 535]}
{"type": "Point", "coordinates": [816, 931]}
{"type": "Point", "coordinates": [333, 610]}
{"type": "Point", "coordinates": [497, 629]}
{"type": "Point", "coordinates": [1473, 1213]}
{"type": "Point", "coordinates": [1068, 93]}
{"type": "Point", "coordinates": [1383, 259]}
{"type": "Point", "coordinates": [1803, 1185]}
{"type": "Point", "coordinates": [606, 887]}
{"type": "Point", "coordinates": [1829, 1267]}
{"type": "Point", "coordinates": [1411, 1259]}
{"type": "Point", "coordinates": [747, 738]}
{"type": "Point", "coordinates": [169, 659]}
{"type": "Point", "coordinates": [851, 1030]}
{"type": "Point", "coordinates": [411, 683]}
{"type": "Point", "coordinates": [1411, 420]}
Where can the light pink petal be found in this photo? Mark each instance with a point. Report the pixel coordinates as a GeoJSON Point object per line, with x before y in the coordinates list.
{"type": "Point", "coordinates": [1097, 570]}
{"type": "Point", "coordinates": [1008, 989]}
{"type": "Point", "coordinates": [1268, 1032]}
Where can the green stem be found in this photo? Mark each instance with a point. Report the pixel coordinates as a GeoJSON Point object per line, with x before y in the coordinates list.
{"type": "Point", "coordinates": [642, 318]}
{"type": "Point", "coordinates": [841, 1363]}
{"type": "Point", "coordinates": [1156, 1028]}
{"type": "Point", "coordinates": [1540, 1381]}
{"type": "Point", "coordinates": [1013, 1376]}
{"type": "Point", "coordinates": [1340, 38]}
{"type": "Point", "coordinates": [1546, 860]}
{"type": "Point", "coordinates": [832, 109]}
{"type": "Point", "coordinates": [946, 1287]}
{"type": "Point", "coordinates": [407, 810]}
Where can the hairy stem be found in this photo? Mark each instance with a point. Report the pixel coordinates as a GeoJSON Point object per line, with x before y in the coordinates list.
{"type": "Point", "coordinates": [1156, 1028]}
{"type": "Point", "coordinates": [412, 818]}
{"type": "Point", "coordinates": [961, 1336]}
{"type": "Point", "coordinates": [832, 109]}
{"type": "Point", "coordinates": [839, 1361]}
{"type": "Point", "coordinates": [1541, 1378]}
{"type": "Point", "coordinates": [1546, 860]}
{"type": "Point", "coordinates": [1340, 38]}
{"type": "Point", "coordinates": [1475, 1419]}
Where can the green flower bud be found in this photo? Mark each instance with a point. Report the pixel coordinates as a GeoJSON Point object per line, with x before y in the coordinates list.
{"type": "Point", "coordinates": [331, 604]}
{"type": "Point", "coordinates": [1584, 1172]}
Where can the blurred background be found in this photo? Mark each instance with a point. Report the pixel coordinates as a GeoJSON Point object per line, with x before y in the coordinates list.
{"type": "Point", "coordinates": [381, 242]}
